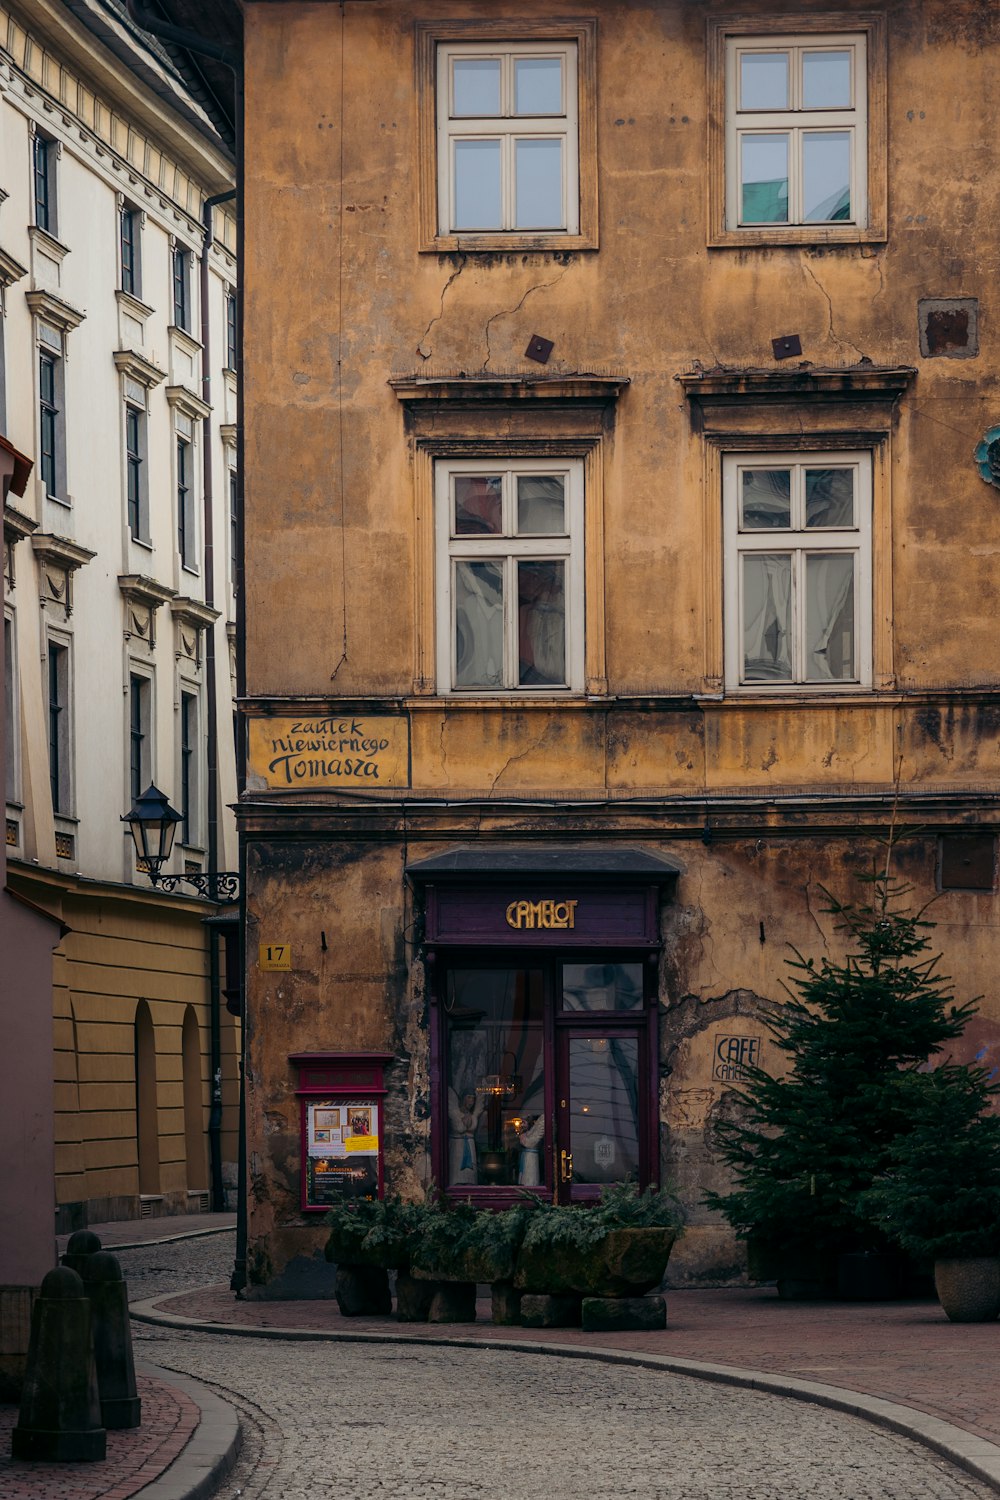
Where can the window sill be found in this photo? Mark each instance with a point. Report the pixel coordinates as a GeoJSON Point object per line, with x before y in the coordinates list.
{"type": "Point", "coordinates": [191, 570]}
{"type": "Point", "coordinates": [796, 234]}
{"type": "Point", "coordinates": [806, 692]}
{"type": "Point", "coordinates": [141, 541]}
{"type": "Point", "coordinates": [511, 241]}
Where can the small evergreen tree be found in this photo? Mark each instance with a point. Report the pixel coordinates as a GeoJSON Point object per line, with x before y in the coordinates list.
{"type": "Point", "coordinates": [940, 1197]}
{"type": "Point", "coordinates": [856, 1033]}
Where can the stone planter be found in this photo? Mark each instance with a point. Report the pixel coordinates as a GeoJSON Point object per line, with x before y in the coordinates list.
{"type": "Point", "coordinates": [969, 1289]}
{"type": "Point", "coordinates": [467, 1264]}
{"type": "Point", "coordinates": [347, 1248]}
{"type": "Point", "coordinates": [622, 1263]}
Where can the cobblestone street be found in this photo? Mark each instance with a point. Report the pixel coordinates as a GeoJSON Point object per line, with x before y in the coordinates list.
{"type": "Point", "coordinates": [355, 1421]}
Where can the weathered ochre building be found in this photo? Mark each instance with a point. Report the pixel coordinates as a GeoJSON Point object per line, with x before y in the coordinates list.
{"type": "Point", "coordinates": [620, 515]}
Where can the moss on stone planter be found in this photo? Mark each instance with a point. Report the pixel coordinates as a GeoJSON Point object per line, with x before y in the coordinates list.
{"type": "Point", "coordinates": [620, 1263]}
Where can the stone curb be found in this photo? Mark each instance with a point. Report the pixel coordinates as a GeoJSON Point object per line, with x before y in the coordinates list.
{"type": "Point", "coordinates": [211, 1451]}
{"type": "Point", "coordinates": [168, 1239]}
{"type": "Point", "coordinates": [976, 1455]}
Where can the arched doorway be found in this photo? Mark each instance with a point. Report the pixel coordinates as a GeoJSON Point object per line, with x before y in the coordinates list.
{"type": "Point", "coordinates": [194, 1129]}
{"type": "Point", "coordinates": [147, 1128]}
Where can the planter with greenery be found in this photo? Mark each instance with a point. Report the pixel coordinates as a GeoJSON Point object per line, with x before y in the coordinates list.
{"type": "Point", "coordinates": [940, 1196]}
{"type": "Point", "coordinates": [379, 1233]}
{"type": "Point", "coordinates": [857, 1034]}
{"type": "Point", "coordinates": [466, 1245]}
{"type": "Point", "coordinates": [617, 1248]}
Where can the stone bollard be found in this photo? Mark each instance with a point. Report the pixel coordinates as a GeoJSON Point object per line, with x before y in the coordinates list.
{"type": "Point", "coordinates": [108, 1295]}
{"type": "Point", "coordinates": [60, 1416]}
{"type": "Point", "coordinates": [79, 1247]}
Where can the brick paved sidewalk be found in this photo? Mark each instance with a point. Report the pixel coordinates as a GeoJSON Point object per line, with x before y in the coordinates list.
{"type": "Point", "coordinates": [905, 1352]}
{"type": "Point", "coordinates": [135, 1458]}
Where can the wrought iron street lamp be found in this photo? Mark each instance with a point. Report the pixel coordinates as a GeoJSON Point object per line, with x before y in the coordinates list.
{"type": "Point", "coordinates": [153, 823]}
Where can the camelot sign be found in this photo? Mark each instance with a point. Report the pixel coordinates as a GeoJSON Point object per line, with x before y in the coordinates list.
{"type": "Point", "coordinates": [551, 916]}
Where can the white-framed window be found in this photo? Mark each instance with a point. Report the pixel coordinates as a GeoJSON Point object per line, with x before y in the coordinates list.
{"type": "Point", "coordinates": [11, 711]}
{"type": "Point", "coordinates": [136, 471]}
{"type": "Point", "coordinates": [139, 705]}
{"type": "Point", "coordinates": [798, 569]}
{"type": "Point", "coordinates": [130, 221]}
{"type": "Point", "coordinates": [51, 414]}
{"type": "Point", "coordinates": [59, 691]}
{"type": "Point", "coordinates": [187, 523]}
{"type": "Point", "coordinates": [189, 763]}
{"type": "Point", "coordinates": [796, 130]}
{"type": "Point", "coordinates": [510, 598]}
{"type": "Point", "coordinates": [508, 138]}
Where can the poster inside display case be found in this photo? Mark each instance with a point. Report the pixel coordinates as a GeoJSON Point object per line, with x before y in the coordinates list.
{"type": "Point", "coordinates": [342, 1150]}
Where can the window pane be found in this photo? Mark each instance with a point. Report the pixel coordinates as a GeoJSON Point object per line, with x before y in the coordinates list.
{"type": "Point", "coordinates": [604, 1099]}
{"type": "Point", "coordinates": [830, 618]}
{"type": "Point", "coordinates": [767, 617]}
{"type": "Point", "coordinates": [602, 986]}
{"type": "Point", "coordinates": [764, 179]}
{"type": "Point", "coordinates": [538, 86]}
{"type": "Point", "coordinates": [826, 80]}
{"type": "Point", "coordinates": [478, 624]}
{"type": "Point", "coordinates": [496, 1077]}
{"type": "Point", "coordinates": [477, 185]}
{"type": "Point", "coordinates": [538, 184]}
{"type": "Point", "coordinates": [478, 504]}
{"type": "Point", "coordinates": [541, 504]}
{"type": "Point", "coordinates": [541, 623]}
{"type": "Point", "coordinates": [829, 497]}
{"type": "Point", "coordinates": [765, 499]}
{"type": "Point", "coordinates": [476, 85]}
{"type": "Point", "coordinates": [826, 176]}
{"type": "Point", "coordinates": [764, 80]}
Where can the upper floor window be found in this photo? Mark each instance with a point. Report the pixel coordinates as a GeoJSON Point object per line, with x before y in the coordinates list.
{"type": "Point", "coordinates": [189, 767]}
{"type": "Point", "coordinates": [796, 131]}
{"type": "Point", "coordinates": [508, 134]}
{"type": "Point", "coordinates": [186, 525]}
{"type": "Point", "coordinates": [140, 759]}
{"type": "Point", "coordinates": [797, 145]}
{"type": "Point", "coordinates": [12, 735]}
{"type": "Point", "coordinates": [798, 597]}
{"type": "Point", "coordinates": [49, 422]}
{"type": "Point", "coordinates": [234, 528]}
{"type": "Point", "coordinates": [136, 492]}
{"type": "Point", "coordinates": [128, 234]}
{"type": "Point", "coordinates": [43, 175]}
{"type": "Point", "coordinates": [59, 726]}
{"type": "Point", "coordinates": [180, 263]}
{"type": "Point", "coordinates": [230, 330]}
{"type": "Point", "coordinates": [507, 138]}
{"type": "Point", "coordinates": [510, 565]}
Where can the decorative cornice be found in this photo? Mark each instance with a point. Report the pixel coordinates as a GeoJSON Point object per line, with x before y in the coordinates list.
{"type": "Point", "coordinates": [194, 613]}
{"type": "Point", "coordinates": [227, 432]}
{"type": "Point", "coordinates": [11, 270]}
{"type": "Point", "coordinates": [505, 389]}
{"type": "Point", "coordinates": [16, 525]}
{"type": "Point", "coordinates": [132, 305]}
{"type": "Point", "coordinates": [48, 244]}
{"type": "Point", "coordinates": [861, 382]}
{"type": "Point", "coordinates": [60, 552]}
{"type": "Point", "coordinates": [52, 309]}
{"type": "Point", "coordinates": [184, 339]}
{"type": "Point", "coordinates": [138, 367]}
{"type": "Point", "coordinates": [139, 589]}
{"type": "Point", "coordinates": [186, 401]}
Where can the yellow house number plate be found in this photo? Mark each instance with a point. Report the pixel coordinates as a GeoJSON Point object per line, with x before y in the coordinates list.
{"type": "Point", "coordinates": [275, 956]}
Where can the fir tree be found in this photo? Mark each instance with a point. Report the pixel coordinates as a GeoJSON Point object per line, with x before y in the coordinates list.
{"type": "Point", "coordinates": [856, 1033]}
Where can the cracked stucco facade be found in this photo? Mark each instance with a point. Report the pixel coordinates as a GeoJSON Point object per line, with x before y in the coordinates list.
{"type": "Point", "coordinates": [762, 801]}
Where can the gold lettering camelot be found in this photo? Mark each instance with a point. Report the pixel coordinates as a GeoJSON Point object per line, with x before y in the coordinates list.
{"type": "Point", "coordinates": [553, 915]}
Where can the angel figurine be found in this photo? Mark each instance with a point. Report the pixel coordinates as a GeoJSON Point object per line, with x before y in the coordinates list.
{"type": "Point", "coordinates": [463, 1120]}
{"type": "Point", "coordinates": [529, 1171]}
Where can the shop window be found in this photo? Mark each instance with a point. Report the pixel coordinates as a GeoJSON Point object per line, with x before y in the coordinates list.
{"type": "Point", "coordinates": [797, 569]}
{"type": "Point", "coordinates": [803, 144]}
{"type": "Point", "coordinates": [510, 569]}
{"type": "Point", "coordinates": [508, 134]}
{"type": "Point", "coordinates": [545, 1075]}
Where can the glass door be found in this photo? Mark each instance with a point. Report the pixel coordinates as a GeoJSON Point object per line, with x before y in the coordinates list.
{"type": "Point", "coordinates": [599, 1111]}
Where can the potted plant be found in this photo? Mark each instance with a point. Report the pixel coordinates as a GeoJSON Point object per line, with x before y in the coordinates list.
{"type": "Point", "coordinates": [940, 1196]}
{"type": "Point", "coordinates": [857, 1034]}
{"type": "Point", "coordinates": [617, 1248]}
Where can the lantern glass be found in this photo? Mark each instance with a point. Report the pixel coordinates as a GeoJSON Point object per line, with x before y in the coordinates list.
{"type": "Point", "coordinates": [153, 824]}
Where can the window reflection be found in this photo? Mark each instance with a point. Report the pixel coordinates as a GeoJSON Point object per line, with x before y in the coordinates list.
{"type": "Point", "coordinates": [496, 1077]}
{"type": "Point", "coordinates": [601, 986]}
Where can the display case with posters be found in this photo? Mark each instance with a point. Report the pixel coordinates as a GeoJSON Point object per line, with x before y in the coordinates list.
{"type": "Point", "coordinates": [341, 1123]}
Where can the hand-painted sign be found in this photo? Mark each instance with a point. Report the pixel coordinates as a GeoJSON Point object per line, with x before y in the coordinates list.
{"type": "Point", "coordinates": [733, 1055]}
{"type": "Point", "coordinates": [328, 751]}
